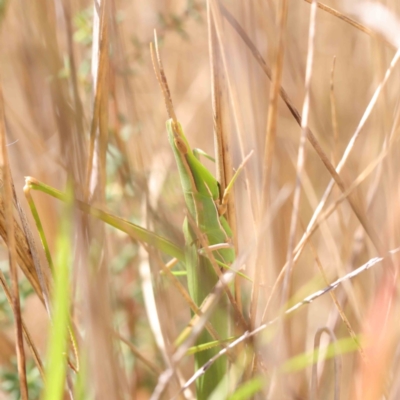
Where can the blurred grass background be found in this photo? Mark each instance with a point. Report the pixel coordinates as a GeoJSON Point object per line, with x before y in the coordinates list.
{"type": "Point", "coordinates": [46, 56]}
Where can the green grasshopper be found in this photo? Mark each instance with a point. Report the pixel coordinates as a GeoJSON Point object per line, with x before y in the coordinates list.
{"type": "Point", "coordinates": [204, 227]}
{"type": "Point", "coordinates": [201, 193]}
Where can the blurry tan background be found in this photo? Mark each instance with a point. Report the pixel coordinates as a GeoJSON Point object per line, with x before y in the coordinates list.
{"type": "Point", "coordinates": [48, 137]}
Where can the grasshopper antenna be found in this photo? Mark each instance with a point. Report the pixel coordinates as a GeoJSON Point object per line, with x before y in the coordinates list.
{"type": "Point", "coordinates": [161, 78]}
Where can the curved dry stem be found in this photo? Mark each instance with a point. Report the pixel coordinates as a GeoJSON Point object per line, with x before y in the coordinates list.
{"type": "Point", "coordinates": [161, 78]}
{"type": "Point", "coordinates": [337, 364]}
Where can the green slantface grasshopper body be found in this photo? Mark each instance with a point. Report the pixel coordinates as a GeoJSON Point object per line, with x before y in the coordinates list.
{"type": "Point", "coordinates": [202, 194]}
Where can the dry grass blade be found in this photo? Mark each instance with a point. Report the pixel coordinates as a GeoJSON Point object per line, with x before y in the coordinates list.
{"type": "Point", "coordinates": [216, 13]}
{"type": "Point", "coordinates": [12, 252]}
{"type": "Point", "coordinates": [337, 305]}
{"type": "Point", "coordinates": [44, 16]}
{"type": "Point", "coordinates": [276, 78]}
{"type": "Point", "coordinates": [107, 379]}
{"type": "Point", "coordinates": [153, 368]}
{"type": "Point", "coordinates": [23, 254]}
{"type": "Point", "coordinates": [345, 18]}
{"type": "Point", "coordinates": [335, 155]}
{"type": "Point", "coordinates": [223, 157]}
{"type": "Point", "coordinates": [301, 153]}
{"type": "Point", "coordinates": [28, 337]}
{"type": "Point", "coordinates": [162, 79]}
{"type": "Point", "coordinates": [79, 113]}
{"type": "Point", "coordinates": [337, 365]}
{"type": "Point", "coordinates": [217, 26]}
{"type": "Point", "coordinates": [95, 172]}
{"type": "Point", "coordinates": [300, 159]}
{"type": "Point", "coordinates": [329, 210]}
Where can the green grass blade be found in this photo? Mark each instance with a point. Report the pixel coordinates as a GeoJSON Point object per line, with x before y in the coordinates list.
{"type": "Point", "coordinates": [209, 345]}
{"type": "Point", "coordinates": [131, 229]}
{"type": "Point", "coordinates": [56, 364]}
{"type": "Point", "coordinates": [39, 227]}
